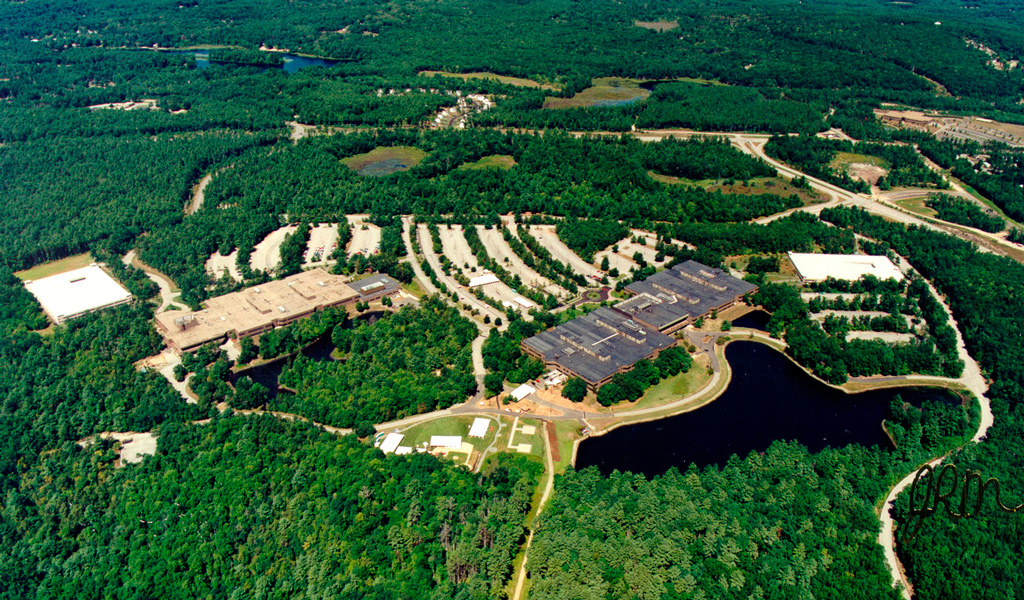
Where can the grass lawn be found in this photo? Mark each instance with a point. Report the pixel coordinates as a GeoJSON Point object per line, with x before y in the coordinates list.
{"type": "Point", "coordinates": [413, 287]}
{"type": "Point", "coordinates": [844, 159]}
{"type": "Point", "coordinates": [673, 388]}
{"type": "Point", "coordinates": [54, 267]}
{"type": "Point", "coordinates": [498, 161]}
{"type": "Point", "coordinates": [568, 432]}
{"type": "Point", "coordinates": [769, 185]}
{"type": "Point", "coordinates": [516, 81]}
{"type": "Point", "coordinates": [917, 206]}
{"type": "Point", "coordinates": [385, 160]}
{"type": "Point", "coordinates": [419, 433]}
{"type": "Point", "coordinates": [605, 91]}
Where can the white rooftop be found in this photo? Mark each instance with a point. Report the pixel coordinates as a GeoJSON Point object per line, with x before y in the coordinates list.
{"type": "Point", "coordinates": [74, 293]}
{"type": "Point", "coordinates": [479, 428]}
{"type": "Point", "coordinates": [391, 442]}
{"type": "Point", "coordinates": [451, 442]}
{"type": "Point", "coordinates": [483, 280]}
{"type": "Point", "coordinates": [523, 391]}
{"type": "Point", "coordinates": [818, 267]}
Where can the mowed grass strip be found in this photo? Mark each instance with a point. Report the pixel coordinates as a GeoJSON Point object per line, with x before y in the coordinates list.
{"type": "Point", "coordinates": [498, 161]}
{"type": "Point", "coordinates": [516, 81]}
{"type": "Point", "coordinates": [657, 25]}
{"type": "Point", "coordinates": [54, 267]}
{"type": "Point", "coordinates": [607, 91]}
{"type": "Point", "coordinates": [385, 160]}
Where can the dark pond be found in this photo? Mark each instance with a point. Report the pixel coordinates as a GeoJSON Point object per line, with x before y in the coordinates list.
{"type": "Point", "coordinates": [267, 374]}
{"type": "Point", "coordinates": [383, 167]}
{"type": "Point", "coordinates": [292, 62]}
{"type": "Point", "coordinates": [755, 319]}
{"type": "Point", "coordinates": [768, 399]}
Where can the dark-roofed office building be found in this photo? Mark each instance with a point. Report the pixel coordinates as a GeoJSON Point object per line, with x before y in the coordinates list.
{"type": "Point", "coordinates": [596, 346]}
{"type": "Point", "coordinates": [673, 298]}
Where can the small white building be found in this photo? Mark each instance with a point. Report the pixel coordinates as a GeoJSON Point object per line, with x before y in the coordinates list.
{"type": "Point", "coordinates": [483, 280]}
{"type": "Point", "coordinates": [391, 442]}
{"type": "Point", "coordinates": [449, 442]}
{"type": "Point", "coordinates": [522, 391]}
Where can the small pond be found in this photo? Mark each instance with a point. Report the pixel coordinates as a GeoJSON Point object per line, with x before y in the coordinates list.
{"type": "Point", "coordinates": [268, 373]}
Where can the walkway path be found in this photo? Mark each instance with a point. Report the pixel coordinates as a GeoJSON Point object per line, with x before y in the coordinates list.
{"type": "Point", "coordinates": [973, 380]}
{"type": "Point", "coordinates": [167, 296]}
{"type": "Point", "coordinates": [521, 578]}
{"type": "Point", "coordinates": [199, 194]}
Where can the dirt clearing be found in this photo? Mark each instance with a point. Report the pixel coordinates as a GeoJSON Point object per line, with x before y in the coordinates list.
{"type": "Point", "coordinates": [217, 265]}
{"type": "Point", "coordinates": [267, 254]}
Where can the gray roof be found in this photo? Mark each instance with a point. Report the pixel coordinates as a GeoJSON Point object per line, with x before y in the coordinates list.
{"type": "Point", "coordinates": [374, 284]}
{"type": "Point", "coordinates": [598, 344]}
{"type": "Point", "coordinates": [687, 289]}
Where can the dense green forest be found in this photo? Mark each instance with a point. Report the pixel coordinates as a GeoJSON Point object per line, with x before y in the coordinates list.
{"type": "Point", "coordinates": [265, 508]}
{"type": "Point", "coordinates": [256, 507]}
{"type": "Point", "coordinates": [409, 362]}
{"type": "Point", "coordinates": [779, 524]}
{"type": "Point", "coordinates": [984, 292]}
{"type": "Point", "coordinates": [964, 212]}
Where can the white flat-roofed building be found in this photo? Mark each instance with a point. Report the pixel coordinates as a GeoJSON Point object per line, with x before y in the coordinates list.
{"type": "Point", "coordinates": [483, 280]}
{"type": "Point", "coordinates": [522, 391]}
{"type": "Point", "coordinates": [479, 428]}
{"type": "Point", "coordinates": [450, 442]}
{"type": "Point", "coordinates": [391, 442]}
{"type": "Point", "coordinates": [72, 294]}
{"type": "Point", "coordinates": [850, 267]}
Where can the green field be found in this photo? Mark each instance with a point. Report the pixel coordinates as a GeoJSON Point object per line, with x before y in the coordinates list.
{"type": "Point", "coordinates": [385, 161]}
{"type": "Point", "coordinates": [845, 159]}
{"type": "Point", "coordinates": [673, 388]}
{"type": "Point", "coordinates": [516, 81]}
{"type": "Point", "coordinates": [58, 266]}
{"type": "Point", "coordinates": [917, 206]}
{"type": "Point", "coordinates": [605, 91]}
{"type": "Point", "coordinates": [498, 161]}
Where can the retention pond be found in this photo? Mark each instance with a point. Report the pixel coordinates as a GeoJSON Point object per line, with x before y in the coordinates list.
{"type": "Point", "coordinates": [768, 399]}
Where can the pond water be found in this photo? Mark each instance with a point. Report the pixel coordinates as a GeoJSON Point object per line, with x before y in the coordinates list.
{"type": "Point", "coordinates": [623, 102]}
{"type": "Point", "coordinates": [768, 399]}
{"type": "Point", "coordinates": [268, 373]}
{"type": "Point", "coordinates": [755, 319]}
{"type": "Point", "coordinates": [292, 62]}
{"type": "Point", "coordinates": [385, 166]}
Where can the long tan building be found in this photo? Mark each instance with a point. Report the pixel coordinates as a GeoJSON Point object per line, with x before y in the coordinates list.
{"type": "Point", "coordinates": [255, 310]}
